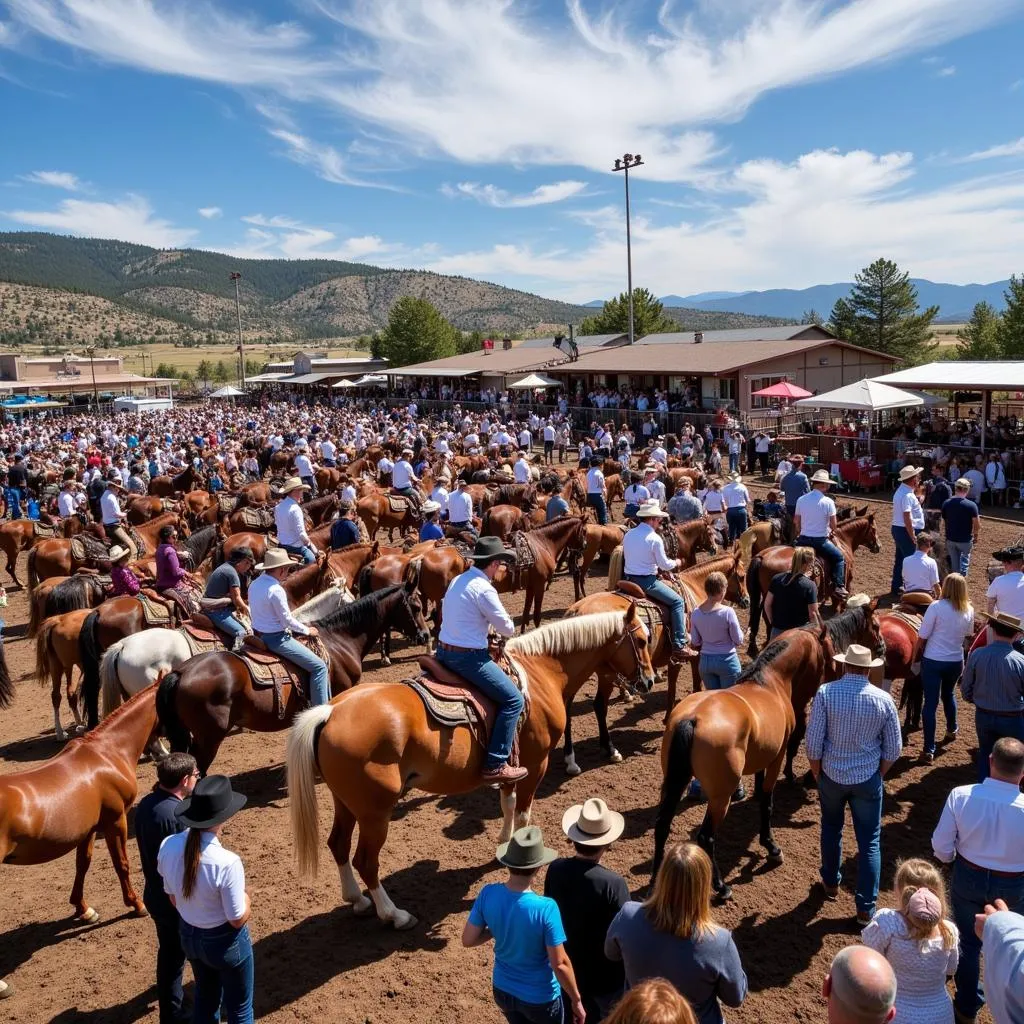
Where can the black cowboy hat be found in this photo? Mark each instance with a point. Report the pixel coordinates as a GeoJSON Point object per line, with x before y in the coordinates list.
{"type": "Point", "coordinates": [491, 547]}
{"type": "Point", "coordinates": [1011, 554]}
{"type": "Point", "coordinates": [212, 801]}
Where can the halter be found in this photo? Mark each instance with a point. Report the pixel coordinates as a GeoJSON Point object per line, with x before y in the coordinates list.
{"type": "Point", "coordinates": [626, 686]}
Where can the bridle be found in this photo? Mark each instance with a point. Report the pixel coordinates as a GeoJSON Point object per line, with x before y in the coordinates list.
{"type": "Point", "coordinates": [626, 686]}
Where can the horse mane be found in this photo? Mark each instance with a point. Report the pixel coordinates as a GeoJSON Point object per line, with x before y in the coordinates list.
{"type": "Point", "coordinates": [356, 616]}
{"type": "Point", "coordinates": [199, 542]}
{"type": "Point", "coordinates": [754, 672]}
{"type": "Point", "coordinates": [318, 503]}
{"type": "Point", "coordinates": [843, 629]}
{"type": "Point", "coordinates": [319, 606]}
{"type": "Point", "coordinates": [556, 524]}
{"type": "Point", "coordinates": [850, 525]}
{"type": "Point", "coordinates": [120, 712]}
{"type": "Point", "coordinates": [569, 635]}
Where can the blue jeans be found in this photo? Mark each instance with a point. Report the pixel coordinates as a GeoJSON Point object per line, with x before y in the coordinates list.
{"type": "Point", "coordinates": [307, 554]}
{"type": "Point", "coordinates": [959, 555]}
{"type": "Point", "coordinates": [865, 800]}
{"type": "Point", "coordinates": [664, 594]}
{"type": "Point", "coordinates": [736, 518]}
{"type": "Point", "coordinates": [734, 461]}
{"type": "Point", "coordinates": [222, 964]}
{"type": "Point", "coordinates": [224, 619]}
{"type": "Point", "coordinates": [938, 677]}
{"type": "Point", "coordinates": [477, 668]}
{"type": "Point", "coordinates": [970, 890]}
{"type": "Point", "coordinates": [518, 1011]}
{"type": "Point", "coordinates": [14, 501]}
{"type": "Point", "coordinates": [990, 728]}
{"type": "Point", "coordinates": [629, 511]}
{"type": "Point", "coordinates": [596, 502]}
{"type": "Point", "coordinates": [831, 553]}
{"type": "Point", "coordinates": [285, 645]}
{"type": "Point", "coordinates": [905, 547]}
{"type": "Point", "coordinates": [720, 671]}
{"type": "Point", "coordinates": [170, 961]}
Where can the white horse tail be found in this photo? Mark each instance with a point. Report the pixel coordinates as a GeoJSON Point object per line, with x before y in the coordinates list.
{"type": "Point", "coordinates": [301, 764]}
{"type": "Point", "coordinates": [615, 563]}
{"type": "Point", "coordinates": [110, 684]}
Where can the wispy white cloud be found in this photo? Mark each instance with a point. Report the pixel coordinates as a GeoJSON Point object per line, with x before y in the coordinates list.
{"type": "Point", "coordinates": [947, 72]}
{"type": "Point", "coordinates": [210, 212]}
{"type": "Point", "coordinates": [54, 179]}
{"type": "Point", "coordinates": [993, 152]}
{"type": "Point", "coordinates": [491, 195]}
{"type": "Point", "coordinates": [283, 236]}
{"type": "Point", "coordinates": [1015, 85]}
{"type": "Point", "coordinates": [325, 161]}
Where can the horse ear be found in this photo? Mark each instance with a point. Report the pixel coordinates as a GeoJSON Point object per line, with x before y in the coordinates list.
{"type": "Point", "coordinates": [871, 518]}
{"type": "Point", "coordinates": [375, 549]}
{"type": "Point", "coordinates": [631, 614]}
{"type": "Point", "coordinates": [873, 605]}
{"type": "Point", "coordinates": [862, 511]}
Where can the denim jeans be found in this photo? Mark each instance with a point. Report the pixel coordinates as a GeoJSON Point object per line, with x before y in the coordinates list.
{"type": "Point", "coordinates": [938, 677]}
{"type": "Point", "coordinates": [719, 671]}
{"type": "Point", "coordinates": [222, 964]}
{"type": "Point", "coordinates": [970, 890]}
{"type": "Point", "coordinates": [14, 501]}
{"type": "Point", "coordinates": [170, 962]}
{"type": "Point", "coordinates": [736, 518]}
{"type": "Point", "coordinates": [517, 1011]}
{"type": "Point", "coordinates": [664, 594]}
{"type": "Point", "coordinates": [630, 511]}
{"type": "Point", "coordinates": [959, 555]}
{"type": "Point", "coordinates": [831, 553]}
{"type": "Point", "coordinates": [290, 649]}
{"type": "Point", "coordinates": [596, 502]}
{"type": "Point", "coordinates": [990, 728]}
{"type": "Point", "coordinates": [905, 547]}
{"type": "Point", "coordinates": [307, 554]}
{"type": "Point", "coordinates": [734, 461]}
{"type": "Point", "coordinates": [476, 667]}
{"type": "Point", "coordinates": [224, 619]}
{"type": "Point", "coordinates": [865, 800]}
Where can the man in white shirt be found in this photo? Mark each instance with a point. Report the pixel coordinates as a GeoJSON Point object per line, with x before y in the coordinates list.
{"type": "Point", "coordinates": [470, 605]}
{"type": "Point", "coordinates": [304, 467]}
{"type": "Point", "coordinates": [440, 493]}
{"type": "Point", "coordinates": [762, 447]}
{"type": "Point", "coordinates": [658, 453]}
{"type": "Point", "coordinates": [67, 506]}
{"type": "Point", "coordinates": [274, 624]}
{"type": "Point", "coordinates": [597, 490]}
{"type": "Point", "coordinates": [385, 467]}
{"type": "Point", "coordinates": [526, 440]}
{"type": "Point", "coordinates": [328, 452]}
{"type": "Point", "coordinates": [907, 521]}
{"type": "Point", "coordinates": [114, 518]}
{"type": "Point", "coordinates": [995, 479]}
{"type": "Point", "coordinates": [655, 486]}
{"type": "Point", "coordinates": [920, 570]}
{"type": "Point", "coordinates": [737, 500]}
{"type": "Point", "coordinates": [291, 523]}
{"type": "Point", "coordinates": [982, 827]}
{"type": "Point", "coordinates": [521, 470]}
{"type": "Point", "coordinates": [1006, 593]}
{"type": "Point", "coordinates": [978, 485]}
{"type": "Point", "coordinates": [405, 481]}
{"type": "Point", "coordinates": [460, 507]}
{"type": "Point", "coordinates": [549, 443]}
{"type": "Point", "coordinates": [815, 525]}
{"type": "Point", "coordinates": [634, 495]}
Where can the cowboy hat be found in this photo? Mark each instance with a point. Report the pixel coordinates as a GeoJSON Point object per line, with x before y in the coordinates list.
{"type": "Point", "coordinates": [1011, 554]}
{"type": "Point", "coordinates": [859, 657]}
{"type": "Point", "coordinates": [649, 509]}
{"type": "Point", "coordinates": [858, 601]}
{"type": "Point", "coordinates": [592, 823]}
{"type": "Point", "coordinates": [909, 472]}
{"type": "Point", "coordinates": [736, 477]}
{"type": "Point", "coordinates": [274, 559]}
{"type": "Point", "coordinates": [430, 506]}
{"type": "Point", "coordinates": [293, 483]}
{"type": "Point", "coordinates": [115, 483]}
{"type": "Point", "coordinates": [652, 467]}
{"type": "Point", "coordinates": [526, 849]}
{"type": "Point", "coordinates": [821, 477]}
{"type": "Point", "coordinates": [491, 547]}
{"type": "Point", "coordinates": [117, 553]}
{"type": "Point", "coordinates": [1005, 619]}
{"type": "Point", "coordinates": [212, 802]}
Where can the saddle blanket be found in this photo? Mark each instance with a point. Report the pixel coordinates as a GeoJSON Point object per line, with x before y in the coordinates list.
{"type": "Point", "coordinates": [227, 503]}
{"type": "Point", "coordinates": [398, 503]}
{"type": "Point", "coordinates": [44, 530]}
{"type": "Point", "coordinates": [153, 614]}
{"type": "Point", "coordinates": [200, 641]}
{"type": "Point", "coordinates": [86, 548]}
{"type": "Point", "coordinates": [525, 558]}
{"type": "Point", "coordinates": [257, 518]}
{"type": "Point", "coordinates": [654, 614]}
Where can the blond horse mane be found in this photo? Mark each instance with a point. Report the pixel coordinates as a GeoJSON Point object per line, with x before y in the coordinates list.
{"type": "Point", "coordinates": [570, 635]}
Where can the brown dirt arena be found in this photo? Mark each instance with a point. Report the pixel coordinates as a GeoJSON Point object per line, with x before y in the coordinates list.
{"type": "Point", "coordinates": [316, 962]}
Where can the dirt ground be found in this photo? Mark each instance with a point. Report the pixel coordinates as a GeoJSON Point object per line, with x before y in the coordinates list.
{"type": "Point", "coordinates": [315, 961]}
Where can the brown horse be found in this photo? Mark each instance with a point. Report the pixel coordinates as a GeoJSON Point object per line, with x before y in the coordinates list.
{"type": "Point", "coordinates": [86, 789]}
{"type": "Point", "coordinates": [60, 594]}
{"type": "Point", "coordinates": [19, 535]}
{"type": "Point", "coordinates": [721, 735]}
{"type": "Point", "coordinates": [503, 520]}
{"type": "Point", "coordinates": [141, 509]}
{"type": "Point", "coordinates": [849, 536]}
{"type": "Point", "coordinates": [168, 486]}
{"type": "Point", "coordinates": [6, 683]}
{"type": "Point", "coordinates": [377, 740]}
{"type": "Point", "coordinates": [375, 512]}
{"type": "Point", "coordinates": [213, 693]}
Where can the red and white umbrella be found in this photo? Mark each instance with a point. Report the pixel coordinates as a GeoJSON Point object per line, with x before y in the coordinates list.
{"type": "Point", "coordinates": [784, 389]}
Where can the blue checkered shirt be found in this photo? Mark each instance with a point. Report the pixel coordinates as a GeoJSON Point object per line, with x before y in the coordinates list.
{"type": "Point", "coordinates": [853, 726]}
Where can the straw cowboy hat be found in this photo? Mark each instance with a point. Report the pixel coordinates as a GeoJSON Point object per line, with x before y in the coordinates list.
{"type": "Point", "coordinates": [116, 484]}
{"type": "Point", "coordinates": [1005, 619]}
{"type": "Point", "coordinates": [650, 509]}
{"type": "Point", "coordinates": [592, 823]}
{"type": "Point", "coordinates": [293, 483]}
{"type": "Point", "coordinates": [909, 472]}
{"type": "Point", "coordinates": [212, 801]}
{"type": "Point", "coordinates": [858, 601]}
{"type": "Point", "coordinates": [117, 553]}
{"type": "Point", "coordinates": [859, 657]}
{"type": "Point", "coordinates": [491, 547]}
{"type": "Point", "coordinates": [274, 559]}
{"type": "Point", "coordinates": [736, 477]}
{"type": "Point", "coordinates": [821, 477]}
{"type": "Point", "coordinates": [526, 849]}
{"type": "Point", "coordinates": [430, 506]}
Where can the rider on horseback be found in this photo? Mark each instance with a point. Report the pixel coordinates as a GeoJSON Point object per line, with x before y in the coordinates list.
{"type": "Point", "coordinates": [404, 481]}
{"type": "Point", "coordinates": [470, 605]}
{"type": "Point", "coordinates": [815, 523]}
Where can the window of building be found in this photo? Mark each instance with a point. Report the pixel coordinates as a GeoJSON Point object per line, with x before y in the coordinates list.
{"type": "Point", "coordinates": [727, 389]}
{"type": "Point", "coordinates": [756, 384]}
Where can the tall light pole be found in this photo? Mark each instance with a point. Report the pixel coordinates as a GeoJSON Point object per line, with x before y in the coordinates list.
{"type": "Point", "coordinates": [628, 160]}
{"type": "Point", "coordinates": [91, 353]}
{"type": "Point", "coordinates": [236, 277]}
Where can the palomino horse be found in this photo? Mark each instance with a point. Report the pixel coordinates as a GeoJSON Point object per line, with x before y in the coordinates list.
{"type": "Point", "coordinates": [721, 735]}
{"type": "Point", "coordinates": [212, 693]}
{"type": "Point", "coordinates": [850, 536]}
{"type": "Point", "coordinates": [86, 789]}
{"type": "Point", "coordinates": [377, 740]}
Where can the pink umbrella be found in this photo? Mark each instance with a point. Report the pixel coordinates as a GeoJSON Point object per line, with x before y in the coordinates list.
{"type": "Point", "coordinates": [783, 390]}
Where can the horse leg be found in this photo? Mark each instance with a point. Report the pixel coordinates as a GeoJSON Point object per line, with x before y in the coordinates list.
{"type": "Point", "coordinates": [717, 809]}
{"type": "Point", "coordinates": [571, 767]}
{"type": "Point", "coordinates": [526, 604]}
{"type": "Point", "coordinates": [373, 832]}
{"type": "Point", "coordinates": [83, 858]}
{"type": "Point", "coordinates": [538, 601]}
{"type": "Point", "coordinates": [507, 795]}
{"type": "Point", "coordinates": [12, 565]}
{"type": "Point", "coordinates": [339, 842]}
{"type": "Point", "coordinates": [55, 681]}
{"type": "Point", "coordinates": [793, 747]}
{"type": "Point", "coordinates": [764, 790]}
{"type": "Point", "coordinates": [526, 791]}
{"type": "Point", "coordinates": [72, 692]}
{"type": "Point", "coordinates": [385, 648]}
{"type": "Point", "coordinates": [604, 686]}
{"type": "Point", "coordinates": [116, 837]}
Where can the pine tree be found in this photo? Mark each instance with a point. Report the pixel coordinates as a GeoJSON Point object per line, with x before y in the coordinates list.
{"type": "Point", "coordinates": [648, 316]}
{"type": "Point", "coordinates": [416, 332]}
{"type": "Point", "coordinates": [1010, 332]}
{"type": "Point", "coordinates": [979, 337]}
{"type": "Point", "coordinates": [812, 316]}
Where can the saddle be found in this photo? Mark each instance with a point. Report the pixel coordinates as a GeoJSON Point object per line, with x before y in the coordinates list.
{"type": "Point", "coordinates": [267, 670]}
{"type": "Point", "coordinates": [654, 612]}
{"type": "Point", "coordinates": [399, 504]}
{"type": "Point", "coordinates": [226, 503]}
{"type": "Point", "coordinates": [256, 519]}
{"type": "Point", "coordinates": [89, 550]}
{"type": "Point", "coordinates": [450, 701]}
{"type": "Point", "coordinates": [913, 604]}
{"type": "Point", "coordinates": [155, 615]}
{"type": "Point", "coordinates": [44, 530]}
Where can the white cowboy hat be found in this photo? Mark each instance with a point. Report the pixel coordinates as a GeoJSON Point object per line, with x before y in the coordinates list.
{"type": "Point", "coordinates": [274, 559]}
{"type": "Point", "coordinates": [430, 506]}
{"type": "Point", "coordinates": [650, 509]}
{"type": "Point", "coordinates": [117, 553]}
{"type": "Point", "coordinates": [909, 472]}
{"type": "Point", "coordinates": [736, 477]}
{"type": "Point", "coordinates": [821, 477]}
{"type": "Point", "coordinates": [859, 657]}
{"type": "Point", "coordinates": [858, 600]}
{"type": "Point", "coordinates": [652, 467]}
{"type": "Point", "coordinates": [592, 823]}
{"type": "Point", "coordinates": [293, 483]}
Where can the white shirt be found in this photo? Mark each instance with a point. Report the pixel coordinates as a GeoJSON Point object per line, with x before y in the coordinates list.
{"type": "Point", "coordinates": [945, 629]}
{"type": "Point", "coordinates": [713, 501]}
{"type": "Point", "coordinates": [784, 467]}
{"type": "Point", "coordinates": [440, 495]}
{"type": "Point", "coordinates": [328, 450]}
{"type": "Point", "coordinates": [595, 481]}
{"type": "Point", "coordinates": [66, 503]}
{"type": "Point", "coordinates": [920, 572]}
{"type": "Point", "coordinates": [636, 493]}
{"type": "Point", "coordinates": [983, 823]}
{"type": "Point", "coordinates": [657, 489]}
{"type": "Point", "coordinates": [348, 493]}
{"type": "Point", "coordinates": [736, 495]}
{"type": "Point", "coordinates": [815, 510]}
{"type": "Point", "coordinates": [401, 475]}
{"type": "Point", "coordinates": [905, 500]}
{"type": "Point", "coordinates": [525, 439]}
{"type": "Point", "coordinates": [460, 507]}
{"type": "Point", "coordinates": [643, 552]}
{"type": "Point", "coordinates": [549, 432]}
{"type": "Point", "coordinates": [219, 893]}
{"type": "Point", "coordinates": [268, 605]}
{"type": "Point", "coordinates": [1008, 592]}
{"type": "Point", "coordinates": [291, 527]}
{"type": "Point", "coordinates": [659, 455]}
{"type": "Point", "coordinates": [384, 465]}
{"type": "Point", "coordinates": [977, 479]}
{"type": "Point", "coordinates": [469, 606]}
{"type": "Point", "coordinates": [762, 444]}
{"type": "Point", "coordinates": [995, 477]}
{"type": "Point", "coordinates": [522, 471]}
{"type": "Point", "coordinates": [303, 466]}
{"type": "Point", "coordinates": [110, 509]}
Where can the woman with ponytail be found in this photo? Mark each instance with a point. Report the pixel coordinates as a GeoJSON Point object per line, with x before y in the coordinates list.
{"type": "Point", "coordinates": [206, 883]}
{"type": "Point", "coordinates": [792, 598]}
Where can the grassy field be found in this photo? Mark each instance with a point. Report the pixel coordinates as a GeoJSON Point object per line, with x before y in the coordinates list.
{"type": "Point", "coordinates": [945, 334]}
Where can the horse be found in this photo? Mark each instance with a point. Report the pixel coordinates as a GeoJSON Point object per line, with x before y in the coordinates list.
{"type": "Point", "coordinates": [18, 535]}
{"type": "Point", "coordinates": [389, 571]}
{"type": "Point", "coordinates": [6, 682]}
{"type": "Point", "coordinates": [721, 735]}
{"type": "Point", "coordinates": [212, 693]}
{"type": "Point", "coordinates": [377, 740]}
{"type": "Point", "coordinates": [375, 512]}
{"type": "Point", "coordinates": [900, 632]}
{"type": "Point", "coordinates": [167, 486]}
{"type": "Point", "coordinates": [60, 806]}
{"type": "Point", "coordinates": [764, 567]}
{"type": "Point", "coordinates": [503, 520]}
{"type": "Point", "coordinates": [60, 594]}
{"type": "Point", "coordinates": [522, 496]}
{"type": "Point", "coordinates": [142, 508]}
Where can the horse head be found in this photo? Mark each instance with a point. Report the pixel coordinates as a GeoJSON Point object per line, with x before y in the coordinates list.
{"type": "Point", "coordinates": [736, 591]}
{"type": "Point", "coordinates": [412, 621]}
{"type": "Point", "coordinates": [631, 655]}
{"type": "Point", "coordinates": [828, 652]}
{"type": "Point", "coordinates": [871, 535]}
{"type": "Point", "coordinates": [706, 539]}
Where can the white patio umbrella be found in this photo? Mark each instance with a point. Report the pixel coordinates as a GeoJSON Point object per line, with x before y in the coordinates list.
{"type": "Point", "coordinates": [345, 384]}
{"type": "Point", "coordinates": [228, 391]}
{"type": "Point", "coordinates": [536, 380]}
{"type": "Point", "coordinates": [865, 396]}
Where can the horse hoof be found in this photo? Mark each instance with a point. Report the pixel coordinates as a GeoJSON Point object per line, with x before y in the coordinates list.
{"type": "Point", "coordinates": [139, 910]}
{"type": "Point", "coordinates": [775, 856]}
{"type": "Point", "coordinates": [363, 907]}
{"type": "Point", "coordinates": [6, 990]}
{"type": "Point", "coordinates": [615, 757]}
{"type": "Point", "coordinates": [88, 916]}
{"type": "Point", "coordinates": [403, 921]}
{"type": "Point", "coordinates": [572, 768]}
{"type": "Point", "coordinates": [385, 662]}
{"type": "Point", "coordinates": [723, 895]}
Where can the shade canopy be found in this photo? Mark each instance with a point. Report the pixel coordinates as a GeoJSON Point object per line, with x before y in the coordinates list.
{"type": "Point", "coordinates": [864, 395]}
{"type": "Point", "coordinates": [345, 384]}
{"type": "Point", "coordinates": [783, 389]}
{"type": "Point", "coordinates": [371, 378]}
{"type": "Point", "coordinates": [228, 391]}
{"type": "Point", "coordinates": [536, 380]}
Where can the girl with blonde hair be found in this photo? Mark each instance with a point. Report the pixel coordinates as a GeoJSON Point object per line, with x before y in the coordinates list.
{"type": "Point", "coordinates": [653, 1001]}
{"type": "Point", "coordinates": [672, 935]}
{"type": "Point", "coordinates": [792, 598]}
{"type": "Point", "coordinates": [919, 942]}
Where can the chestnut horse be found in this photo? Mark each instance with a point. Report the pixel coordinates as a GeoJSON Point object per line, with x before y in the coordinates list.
{"type": "Point", "coordinates": [19, 535]}
{"type": "Point", "coordinates": [721, 735]}
{"type": "Point", "coordinates": [503, 520]}
{"type": "Point", "coordinates": [6, 683]}
{"type": "Point", "coordinates": [377, 740]}
{"type": "Point", "coordinates": [375, 512]}
{"type": "Point", "coordinates": [166, 486]}
{"type": "Point", "coordinates": [60, 806]}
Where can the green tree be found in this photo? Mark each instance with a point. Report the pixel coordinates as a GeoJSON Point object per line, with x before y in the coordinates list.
{"type": "Point", "coordinates": [882, 313]}
{"type": "Point", "coordinates": [648, 316]}
{"type": "Point", "coordinates": [812, 316]}
{"type": "Point", "coordinates": [471, 341]}
{"type": "Point", "coordinates": [221, 373]}
{"type": "Point", "coordinates": [166, 370]}
{"type": "Point", "coordinates": [979, 337]}
{"type": "Point", "coordinates": [416, 332]}
{"type": "Point", "coordinates": [204, 371]}
{"type": "Point", "coordinates": [1010, 332]}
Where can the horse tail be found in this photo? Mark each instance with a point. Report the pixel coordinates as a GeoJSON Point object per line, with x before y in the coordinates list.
{"type": "Point", "coordinates": [615, 563]}
{"type": "Point", "coordinates": [754, 593]}
{"type": "Point", "coordinates": [89, 662]}
{"type": "Point", "coordinates": [167, 712]}
{"type": "Point", "coordinates": [745, 545]}
{"type": "Point", "coordinates": [43, 651]}
{"type": "Point", "coordinates": [35, 615]}
{"type": "Point", "coordinates": [301, 765]}
{"type": "Point", "coordinates": [6, 682]}
{"type": "Point", "coordinates": [364, 583]}
{"type": "Point", "coordinates": [112, 694]}
{"type": "Point", "coordinates": [33, 577]}
{"type": "Point", "coordinates": [678, 772]}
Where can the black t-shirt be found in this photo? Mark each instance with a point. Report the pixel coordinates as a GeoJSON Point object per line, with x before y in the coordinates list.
{"type": "Point", "coordinates": [588, 897]}
{"type": "Point", "coordinates": [17, 477]}
{"type": "Point", "coordinates": [791, 601]}
{"type": "Point", "coordinates": [154, 822]}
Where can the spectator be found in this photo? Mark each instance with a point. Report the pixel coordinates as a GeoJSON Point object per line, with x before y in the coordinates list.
{"type": "Point", "coordinates": [907, 521]}
{"type": "Point", "coordinates": [938, 488]}
{"type": "Point", "coordinates": [981, 832]}
{"type": "Point", "coordinates": [1002, 944]}
{"type": "Point", "coordinates": [860, 988]}
{"type": "Point", "coordinates": [597, 490]}
{"type": "Point", "coordinates": [206, 884]}
{"type": "Point", "coordinates": [794, 484]}
{"type": "Point", "coordinates": [634, 495]}
{"type": "Point", "coordinates": [654, 485]}
{"type": "Point", "coordinates": [345, 529]}
{"type": "Point", "coordinates": [714, 504]}
{"type": "Point", "coordinates": [737, 501]}
{"type": "Point", "coordinates": [995, 479]}
{"type": "Point", "coordinates": [814, 524]}
{"type": "Point", "coordinates": [654, 1001]}
{"type": "Point", "coordinates": [531, 967]}
{"type": "Point", "coordinates": [963, 523]}
{"type": "Point", "coordinates": [683, 507]}
{"type": "Point", "coordinates": [222, 599]}
{"type": "Point", "coordinates": [919, 943]}
{"type": "Point", "coordinates": [853, 739]}
{"type": "Point", "coordinates": [1006, 592]}
{"type": "Point", "coordinates": [431, 528]}
{"type": "Point", "coordinates": [920, 570]}
{"type": "Point", "coordinates": [735, 447]}
{"type": "Point", "coordinates": [716, 633]}
{"type": "Point", "coordinates": [792, 598]}
{"type": "Point", "coordinates": [672, 935]}
{"type": "Point", "coordinates": [977, 481]}
{"type": "Point", "coordinates": [588, 897]}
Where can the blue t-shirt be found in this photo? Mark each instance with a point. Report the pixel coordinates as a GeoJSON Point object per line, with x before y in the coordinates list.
{"type": "Point", "coordinates": [794, 486]}
{"type": "Point", "coordinates": [431, 531]}
{"type": "Point", "coordinates": [524, 925]}
{"type": "Point", "coordinates": [959, 515]}
{"type": "Point", "coordinates": [343, 533]}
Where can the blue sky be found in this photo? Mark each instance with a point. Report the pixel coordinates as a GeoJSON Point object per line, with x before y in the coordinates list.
{"type": "Point", "coordinates": [786, 142]}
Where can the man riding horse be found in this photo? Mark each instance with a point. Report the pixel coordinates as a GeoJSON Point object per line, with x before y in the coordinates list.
{"type": "Point", "coordinates": [404, 481]}
{"type": "Point", "coordinates": [114, 517]}
{"type": "Point", "coordinates": [814, 524]}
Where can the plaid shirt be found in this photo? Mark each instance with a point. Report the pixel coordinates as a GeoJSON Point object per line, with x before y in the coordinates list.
{"type": "Point", "coordinates": [853, 726]}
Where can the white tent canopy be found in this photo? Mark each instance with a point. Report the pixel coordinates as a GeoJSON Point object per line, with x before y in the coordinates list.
{"type": "Point", "coordinates": [865, 396]}
{"type": "Point", "coordinates": [227, 392]}
{"type": "Point", "coordinates": [372, 378]}
{"type": "Point", "coordinates": [344, 384]}
{"type": "Point", "coordinates": [536, 380]}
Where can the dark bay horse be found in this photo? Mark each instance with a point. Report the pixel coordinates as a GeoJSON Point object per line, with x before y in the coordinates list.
{"type": "Point", "coordinates": [18, 535]}
{"type": "Point", "coordinates": [752, 727]}
{"type": "Point", "coordinates": [60, 594]}
{"type": "Point", "coordinates": [213, 693]}
{"type": "Point", "coordinates": [376, 740]}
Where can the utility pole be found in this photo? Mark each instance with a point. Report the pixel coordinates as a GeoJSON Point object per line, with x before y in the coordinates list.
{"type": "Point", "coordinates": [628, 161]}
{"type": "Point", "coordinates": [91, 353]}
{"type": "Point", "coordinates": [236, 277]}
